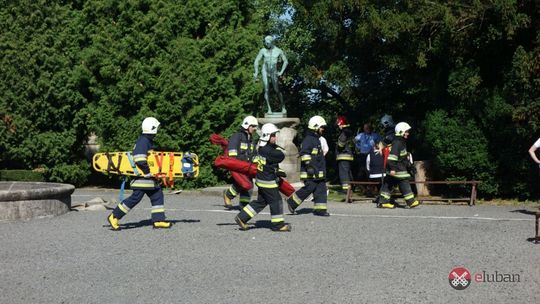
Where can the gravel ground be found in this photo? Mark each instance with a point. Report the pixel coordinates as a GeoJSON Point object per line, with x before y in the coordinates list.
{"type": "Point", "coordinates": [360, 254]}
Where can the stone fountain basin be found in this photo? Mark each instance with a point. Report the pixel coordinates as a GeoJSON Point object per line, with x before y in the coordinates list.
{"type": "Point", "coordinates": [28, 200]}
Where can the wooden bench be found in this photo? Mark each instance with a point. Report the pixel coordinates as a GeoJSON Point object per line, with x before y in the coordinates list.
{"type": "Point", "coordinates": [471, 200]}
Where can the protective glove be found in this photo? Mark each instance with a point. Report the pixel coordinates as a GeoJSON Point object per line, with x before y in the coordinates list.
{"type": "Point", "coordinates": [411, 169]}
{"type": "Point", "coordinates": [280, 173]}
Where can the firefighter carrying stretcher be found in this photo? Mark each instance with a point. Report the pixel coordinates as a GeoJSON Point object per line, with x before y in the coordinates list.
{"type": "Point", "coordinates": [267, 181]}
{"type": "Point", "coordinates": [241, 147]}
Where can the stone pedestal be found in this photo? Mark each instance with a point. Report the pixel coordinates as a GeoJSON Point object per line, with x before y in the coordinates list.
{"type": "Point", "coordinates": [287, 127]}
{"type": "Point", "coordinates": [422, 167]}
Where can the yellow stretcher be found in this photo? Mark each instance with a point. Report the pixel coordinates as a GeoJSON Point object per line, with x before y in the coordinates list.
{"type": "Point", "coordinates": [170, 165]}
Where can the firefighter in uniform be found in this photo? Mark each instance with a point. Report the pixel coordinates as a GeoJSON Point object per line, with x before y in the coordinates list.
{"type": "Point", "coordinates": [268, 173]}
{"type": "Point", "coordinates": [241, 147]}
{"type": "Point", "coordinates": [145, 184]}
{"type": "Point", "coordinates": [312, 170]}
{"type": "Point", "coordinates": [397, 170]}
{"type": "Point", "coordinates": [344, 152]}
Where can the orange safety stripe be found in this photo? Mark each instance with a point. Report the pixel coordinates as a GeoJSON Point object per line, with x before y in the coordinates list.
{"type": "Point", "coordinates": [171, 168]}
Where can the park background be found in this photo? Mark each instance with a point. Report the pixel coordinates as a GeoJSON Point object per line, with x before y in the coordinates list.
{"type": "Point", "coordinates": [464, 74]}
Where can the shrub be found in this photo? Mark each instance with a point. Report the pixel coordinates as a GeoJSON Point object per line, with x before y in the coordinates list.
{"type": "Point", "coordinates": [460, 150]}
{"type": "Point", "coordinates": [21, 175]}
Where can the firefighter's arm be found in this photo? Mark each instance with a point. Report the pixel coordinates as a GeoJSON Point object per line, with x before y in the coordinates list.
{"type": "Point", "coordinates": [305, 152]}
{"type": "Point", "coordinates": [342, 141]}
{"type": "Point", "coordinates": [234, 146]}
{"type": "Point", "coordinates": [276, 156]}
{"type": "Point", "coordinates": [344, 138]}
{"type": "Point", "coordinates": [393, 158]}
{"type": "Point", "coordinates": [140, 157]}
{"type": "Point", "coordinates": [305, 157]}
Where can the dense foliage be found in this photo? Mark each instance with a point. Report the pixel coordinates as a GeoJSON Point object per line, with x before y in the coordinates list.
{"type": "Point", "coordinates": [80, 67]}
{"type": "Point", "coordinates": [465, 74]}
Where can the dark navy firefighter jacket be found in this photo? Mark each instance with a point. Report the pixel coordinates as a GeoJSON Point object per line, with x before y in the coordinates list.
{"type": "Point", "coordinates": [312, 157]}
{"type": "Point", "coordinates": [267, 161]}
{"type": "Point", "coordinates": [241, 145]}
{"type": "Point", "coordinates": [140, 151]}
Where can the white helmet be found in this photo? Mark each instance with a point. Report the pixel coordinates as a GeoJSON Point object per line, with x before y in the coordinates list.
{"type": "Point", "coordinates": [316, 122]}
{"type": "Point", "coordinates": [249, 121]}
{"type": "Point", "coordinates": [401, 128]}
{"type": "Point", "coordinates": [150, 125]}
{"type": "Point", "coordinates": [267, 130]}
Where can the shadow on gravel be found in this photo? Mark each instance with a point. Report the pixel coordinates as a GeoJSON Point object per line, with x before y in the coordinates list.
{"type": "Point", "coordinates": [265, 224]}
{"type": "Point", "coordinates": [258, 224]}
{"type": "Point", "coordinates": [532, 240]}
{"type": "Point", "coordinates": [262, 224]}
{"type": "Point", "coordinates": [145, 223]}
{"type": "Point", "coordinates": [523, 211]}
{"type": "Point", "coordinates": [227, 208]}
{"type": "Point", "coordinates": [304, 211]}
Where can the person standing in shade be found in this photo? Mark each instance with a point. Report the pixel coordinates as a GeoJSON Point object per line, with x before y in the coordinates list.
{"type": "Point", "coordinates": [532, 153]}
{"type": "Point", "coordinates": [365, 142]}
{"type": "Point", "coordinates": [312, 170]}
{"type": "Point", "coordinates": [344, 152]}
{"type": "Point", "coordinates": [145, 184]}
{"type": "Point", "coordinates": [268, 173]}
{"type": "Point", "coordinates": [375, 168]}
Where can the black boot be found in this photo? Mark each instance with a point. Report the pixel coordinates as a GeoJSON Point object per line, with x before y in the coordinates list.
{"type": "Point", "coordinates": [290, 205]}
{"type": "Point", "coordinates": [322, 212]}
{"type": "Point", "coordinates": [282, 227]}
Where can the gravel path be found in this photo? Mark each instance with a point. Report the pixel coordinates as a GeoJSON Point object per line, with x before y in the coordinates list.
{"type": "Point", "coordinates": [360, 254]}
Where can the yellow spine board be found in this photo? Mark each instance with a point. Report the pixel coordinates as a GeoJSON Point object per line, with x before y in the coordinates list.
{"type": "Point", "coordinates": [171, 163]}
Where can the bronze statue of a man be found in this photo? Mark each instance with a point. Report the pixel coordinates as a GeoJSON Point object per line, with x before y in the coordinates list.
{"type": "Point", "coordinates": [270, 55]}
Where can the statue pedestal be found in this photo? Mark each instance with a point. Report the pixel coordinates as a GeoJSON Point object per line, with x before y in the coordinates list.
{"type": "Point", "coordinates": [285, 137]}
{"type": "Point", "coordinates": [275, 115]}
{"type": "Point", "coordinates": [422, 168]}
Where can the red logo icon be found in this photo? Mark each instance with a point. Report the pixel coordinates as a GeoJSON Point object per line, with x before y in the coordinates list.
{"type": "Point", "coordinates": [459, 278]}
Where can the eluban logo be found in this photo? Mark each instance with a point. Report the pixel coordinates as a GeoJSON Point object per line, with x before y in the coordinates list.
{"type": "Point", "coordinates": [459, 278]}
{"type": "Point", "coordinates": [484, 277]}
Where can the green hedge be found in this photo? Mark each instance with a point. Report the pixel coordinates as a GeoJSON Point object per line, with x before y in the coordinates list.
{"type": "Point", "coordinates": [21, 175]}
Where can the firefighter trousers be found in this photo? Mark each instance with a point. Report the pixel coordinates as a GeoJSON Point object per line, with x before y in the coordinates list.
{"type": "Point", "coordinates": [242, 185]}
{"type": "Point", "coordinates": [345, 175]}
{"type": "Point", "coordinates": [266, 196]}
{"type": "Point", "coordinates": [156, 199]}
{"type": "Point", "coordinates": [315, 187]}
{"type": "Point", "coordinates": [389, 183]}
